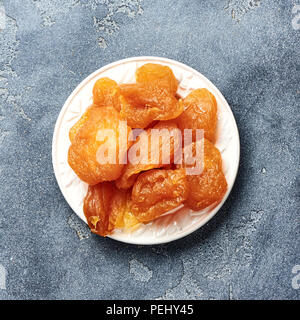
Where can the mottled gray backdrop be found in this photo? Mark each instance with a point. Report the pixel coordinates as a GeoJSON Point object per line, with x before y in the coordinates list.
{"type": "Point", "coordinates": [249, 49]}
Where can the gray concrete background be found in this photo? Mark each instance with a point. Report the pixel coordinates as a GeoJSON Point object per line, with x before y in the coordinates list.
{"type": "Point", "coordinates": [249, 49]}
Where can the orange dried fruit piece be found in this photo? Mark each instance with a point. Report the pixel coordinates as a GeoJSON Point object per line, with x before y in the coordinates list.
{"type": "Point", "coordinates": [163, 143]}
{"type": "Point", "coordinates": [200, 112]}
{"type": "Point", "coordinates": [209, 186]}
{"type": "Point", "coordinates": [120, 216]}
{"type": "Point", "coordinates": [95, 154]}
{"type": "Point", "coordinates": [106, 93]}
{"type": "Point", "coordinates": [163, 76]}
{"type": "Point", "coordinates": [96, 207]}
{"type": "Point", "coordinates": [129, 223]}
{"type": "Point", "coordinates": [143, 103]}
{"type": "Point", "coordinates": [157, 192]}
{"type": "Point", "coordinates": [79, 124]}
{"type": "Point", "coordinates": [106, 208]}
{"type": "Point", "coordinates": [137, 117]}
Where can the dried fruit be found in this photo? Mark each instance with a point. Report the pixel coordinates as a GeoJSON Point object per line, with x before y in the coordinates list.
{"type": "Point", "coordinates": [159, 185]}
{"type": "Point", "coordinates": [151, 98]}
{"type": "Point", "coordinates": [106, 93]}
{"type": "Point", "coordinates": [200, 113]}
{"type": "Point", "coordinates": [210, 186]}
{"type": "Point", "coordinates": [107, 208]}
{"type": "Point", "coordinates": [141, 104]}
{"type": "Point", "coordinates": [97, 207]}
{"type": "Point", "coordinates": [79, 124]}
{"type": "Point", "coordinates": [120, 216]}
{"type": "Point", "coordinates": [95, 154]}
{"type": "Point", "coordinates": [157, 192]}
{"type": "Point", "coordinates": [157, 73]}
{"type": "Point", "coordinates": [162, 143]}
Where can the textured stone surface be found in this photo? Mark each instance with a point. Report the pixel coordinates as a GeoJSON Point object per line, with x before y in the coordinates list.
{"type": "Point", "coordinates": [249, 49]}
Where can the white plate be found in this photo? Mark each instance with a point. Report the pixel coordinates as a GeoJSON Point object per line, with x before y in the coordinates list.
{"type": "Point", "coordinates": [183, 221]}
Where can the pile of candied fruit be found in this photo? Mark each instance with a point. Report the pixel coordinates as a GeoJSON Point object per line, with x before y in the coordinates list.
{"type": "Point", "coordinates": [123, 196]}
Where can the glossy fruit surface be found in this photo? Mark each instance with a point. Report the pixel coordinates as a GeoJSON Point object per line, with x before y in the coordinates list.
{"type": "Point", "coordinates": [80, 123]}
{"type": "Point", "coordinates": [151, 98]}
{"type": "Point", "coordinates": [162, 143]}
{"type": "Point", "coordinates": [157, 73]}
{"type": "Point", "coordinates": [97, 207]}
{"type": "Point", "coordinates": [95, 154]}
{"type": "Point", "coordinates": [107, 208]}
{"type": "Point", "coordinates": [158, 191]}
{"type": "Point", "coordinates": [210, 186]}
{"type": "Point", "coordinates": [141, 104]}
{"type": "Point", "coordinates": [200, 112]}
{"type": "Point", "coordinates": [106, 93]}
